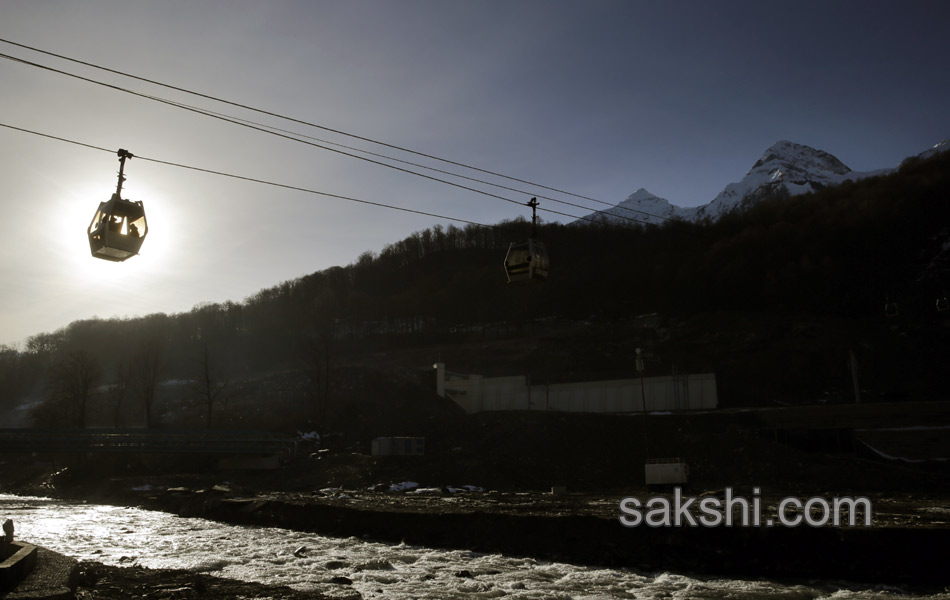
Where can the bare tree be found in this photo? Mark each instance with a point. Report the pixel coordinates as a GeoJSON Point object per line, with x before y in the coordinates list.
{"type": "Point", "coordinates": [117, 393]}
{"type": "Point", "coordinates": [72, 381]}
{"type": "Point", "coordinates": [207, 388]}
{"type": "Point", "coordinates": [144, 370]}
{"type": "Point", "coordinates": [316, 366]}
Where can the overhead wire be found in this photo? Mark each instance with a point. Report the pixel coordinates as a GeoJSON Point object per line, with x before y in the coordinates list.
{"type": "Point", "coordinates": [292, 136]}
{"type": "Point", "coordinates": [246, 178]}
{"type": "Point", "coordinates": [282, 135]}
{"type": "Point", "coordinates": [405, 162]}
{"type": "Point", "coordinates": [354, 136]}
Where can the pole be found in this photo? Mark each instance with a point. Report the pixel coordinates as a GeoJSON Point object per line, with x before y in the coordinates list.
{"type": "Point", "coordinates": [855, 377]}
{"type": "Point", "coordinates": [643, 399]}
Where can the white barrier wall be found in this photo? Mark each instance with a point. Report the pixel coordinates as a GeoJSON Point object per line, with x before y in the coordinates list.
{"type": "Point", "coordinates": [475, 393]}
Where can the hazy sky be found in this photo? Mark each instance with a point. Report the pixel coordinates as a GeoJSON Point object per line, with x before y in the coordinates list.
{"type": "Point", "coordinates": [596, 98]}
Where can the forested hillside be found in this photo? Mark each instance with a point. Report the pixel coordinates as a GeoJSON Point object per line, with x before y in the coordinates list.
{"type": "Point", "coordinates": [772, 299]}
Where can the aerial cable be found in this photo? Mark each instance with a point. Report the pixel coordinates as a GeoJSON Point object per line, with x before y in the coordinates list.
{"type": "Point", "coordinates": [329, 129]}
{"type": "Point", "coordinates": [229, 120]}
{"type": "Point", "coordinates": [285, 136]}
{"type": "Point", "coordinates": [401, 161]}
{"type": "Point", "coordinates": [363, 158]}
{"type": "Point", "coordinates": [61, 139]}
{"type": "Point", "coordinates": [252, 179]}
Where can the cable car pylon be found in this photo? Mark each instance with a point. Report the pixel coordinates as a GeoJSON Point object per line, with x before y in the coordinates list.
{"type": "Point", "coordinates": [527, 262]}
{"type": "Point", "coordinates": [119, 227]}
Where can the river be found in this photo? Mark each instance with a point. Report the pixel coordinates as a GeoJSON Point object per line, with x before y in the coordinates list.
{"type": "Point", "coordinates": [305, 561]}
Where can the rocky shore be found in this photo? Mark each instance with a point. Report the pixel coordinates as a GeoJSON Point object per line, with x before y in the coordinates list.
{"type": "Point", "coordinates": [101, 582]}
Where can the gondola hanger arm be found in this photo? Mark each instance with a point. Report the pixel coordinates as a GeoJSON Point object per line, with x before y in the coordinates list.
{"type": "Point", "coordinates": [533, 203]}
{"type": "Point", "coordinates": [122, 154]}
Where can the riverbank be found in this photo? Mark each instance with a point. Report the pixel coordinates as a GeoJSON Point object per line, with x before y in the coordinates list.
{"type": "Point", "coordinates": [585, 530]}
{"type": "Point", "coordinates": [902, 548]}
{"type": "Point", "coordinates": [484, 485]}
{"type": "Point", "coordinates": [58, 577]}
{"type": "Point", "coordinates": [102, 582]}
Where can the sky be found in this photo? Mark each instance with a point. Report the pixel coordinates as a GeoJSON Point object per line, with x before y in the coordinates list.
{"type": "Point", "coordinates": [596, 98]}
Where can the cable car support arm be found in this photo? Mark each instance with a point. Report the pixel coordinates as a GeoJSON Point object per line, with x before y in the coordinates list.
{"type": "Point", "coordinates": [533, 203]}
{"type": "Point", "coordinates": [123, 154]}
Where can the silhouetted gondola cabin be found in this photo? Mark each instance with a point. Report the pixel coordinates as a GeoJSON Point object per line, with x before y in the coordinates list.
{"type": "Point", "coordinates": [117, 229]}
{"type": "Point", "coordinates": [526, 262]}
{"type": "Point", "coordinates": [890, 309]}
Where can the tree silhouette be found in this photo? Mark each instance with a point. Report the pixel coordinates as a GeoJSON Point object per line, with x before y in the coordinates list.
{"type": "Point", "coordinates": [72, 380]}
{"type": "Point", "coordinates": [145, 371]}
{"type": "Point", "coordinates": [207, 388]}
{"type": "Point", "coordinates": [117, 392]}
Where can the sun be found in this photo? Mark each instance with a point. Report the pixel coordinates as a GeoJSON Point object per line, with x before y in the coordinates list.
{"type": "Point", "coordinates": [75, 215]}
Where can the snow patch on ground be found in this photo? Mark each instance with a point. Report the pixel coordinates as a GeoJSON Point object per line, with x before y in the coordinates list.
{"type": "Point", "coordinates": [404, 486]}
{"type": "Point", "coordinates": [465, 488]}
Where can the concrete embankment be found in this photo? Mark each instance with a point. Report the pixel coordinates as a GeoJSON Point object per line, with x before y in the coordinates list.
{"type": "Point", "coordinates": [51, 577]}
{"type": "Point", "coordinates": [895, 555]}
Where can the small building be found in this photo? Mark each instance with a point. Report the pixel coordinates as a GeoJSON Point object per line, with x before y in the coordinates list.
{"type": "Point", "coordinates": [665, 471]}
{"type": "Point", "coordinates": [475, 393]}
{"type": "Point", "coordinates": [399, 446]}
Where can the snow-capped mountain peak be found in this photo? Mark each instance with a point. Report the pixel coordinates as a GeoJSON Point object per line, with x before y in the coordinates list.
{"type": "Point", "coordinates": [796, 168]}
{"type": "Point", "coordinates": [641, 194]}
{"type": "Point", "coordinates": [935, 149]}
{"type": "Point", "coordinates": [641, 207]}
{"type": "Point", "coordinates": [787, 158]}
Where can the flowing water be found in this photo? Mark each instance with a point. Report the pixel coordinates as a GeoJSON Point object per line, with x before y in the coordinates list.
{"type": "Point", "coordinates": [305, 561]}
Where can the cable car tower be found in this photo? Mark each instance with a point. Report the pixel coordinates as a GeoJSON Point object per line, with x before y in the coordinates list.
{"type": "Point", "coordinates": [527, 262]}
{"type": "Point", "coordinates": [119, 227]}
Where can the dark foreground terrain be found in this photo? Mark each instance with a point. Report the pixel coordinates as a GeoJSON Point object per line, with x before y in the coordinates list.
{"type": "Point", "coordinates": [485, 484]}
{"type": "Point", "coordinates": [101, 582]}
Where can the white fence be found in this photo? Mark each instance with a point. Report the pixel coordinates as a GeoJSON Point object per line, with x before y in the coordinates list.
{"type": "Point", "coordinates": [475, 393]}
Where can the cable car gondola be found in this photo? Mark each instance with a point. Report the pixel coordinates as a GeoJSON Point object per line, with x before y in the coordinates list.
{"type": "Point", "coordinates": [527, 262]}
{"type": "Point", "coordinates": [119, 227]}
{"type": "Point", "coordinates": [943, 303]}
{"type": "Point", "coordinates": [890, 308]}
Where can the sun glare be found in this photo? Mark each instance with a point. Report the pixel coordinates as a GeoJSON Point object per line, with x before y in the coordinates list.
{"type": "Point", "coordinates": [78, 207]}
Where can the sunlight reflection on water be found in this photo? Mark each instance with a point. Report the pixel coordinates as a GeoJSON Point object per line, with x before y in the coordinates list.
{"type": "Point", "coordinates": [116, 536]}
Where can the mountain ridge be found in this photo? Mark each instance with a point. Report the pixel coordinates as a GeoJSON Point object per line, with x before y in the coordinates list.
{"type": "Point", "coordinates": [785, 165]}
